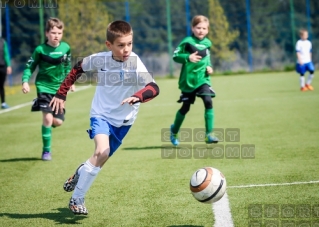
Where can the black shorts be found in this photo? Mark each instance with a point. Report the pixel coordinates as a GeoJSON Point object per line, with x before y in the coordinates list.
{"type": "Point", "coordinates": [41, 103]}
{"type": "Point", "coordinates": [202, 90]}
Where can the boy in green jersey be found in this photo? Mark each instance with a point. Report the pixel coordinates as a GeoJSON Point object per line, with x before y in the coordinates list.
{"type": "Point", "coordinates": [53, 59]}
{"type": "Point", "coordinates": [194, 53]}
{"type": "Point", "coordinates": [5, 69]}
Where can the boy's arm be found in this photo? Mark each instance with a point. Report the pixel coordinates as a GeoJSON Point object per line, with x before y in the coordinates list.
{"type": "Point", "coordinates": [298, 52]}
{"type": "Point", "coordinates": [310, 54]}
{"type": "Point", "coordinates": [73, 75]}
{"type": "Point", "coordinates": [30, 66]}
{"type": "Point", "coordinates": [68, 62]}
{"type": "Point", "coordinates": [299, 58]}
{"type": "Point", "coordinates": [6, 54]}
{"type": "Point", "coordinates": [180, 56]}
{"type": "Point", "coordinates": [67, 66]}
{"type": "Point", "coordinates": [150, 91]}
{"type": "Point", "coordinates": [209, 65]}
{"type": "Point", "coordinates": [208, 59]}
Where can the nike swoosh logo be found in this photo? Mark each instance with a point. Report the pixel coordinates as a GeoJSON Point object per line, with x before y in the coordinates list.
{"type": "Point", "coordinates": [103, 69]}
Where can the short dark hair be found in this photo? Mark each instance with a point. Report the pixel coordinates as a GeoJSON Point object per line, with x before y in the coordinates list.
{"type": "Point", "coordinates": [117, 29]}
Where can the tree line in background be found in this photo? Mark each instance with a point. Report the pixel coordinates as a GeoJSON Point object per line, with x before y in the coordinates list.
{"type": "Point", "coordinates": [86, 21]}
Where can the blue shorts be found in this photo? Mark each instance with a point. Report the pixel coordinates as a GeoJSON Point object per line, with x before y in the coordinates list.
{"type": "Point", "coordinates": [116, 135]}
{"type": "Point", "coordinates": [302, 69]}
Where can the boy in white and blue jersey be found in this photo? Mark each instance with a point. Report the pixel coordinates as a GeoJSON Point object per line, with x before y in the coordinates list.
{"type": "Point", "coordinates": [123, 82]}
{"type": "Point", "coordinates": [304, 62]}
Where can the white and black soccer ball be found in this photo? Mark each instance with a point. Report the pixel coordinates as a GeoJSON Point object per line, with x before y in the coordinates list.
{"type": "Point", "coordinates": [208, 185]}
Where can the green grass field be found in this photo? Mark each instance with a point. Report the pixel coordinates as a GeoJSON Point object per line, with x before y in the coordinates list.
{"type": "Point", "coordinates": [137, 187]}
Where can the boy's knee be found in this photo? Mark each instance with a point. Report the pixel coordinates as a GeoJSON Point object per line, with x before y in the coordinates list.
{"type": "Point", "coordinates": [185, 108]}
{"type": "Point", "coordinates": [102, 154]}
{"type": "Point", "coordinates": [57, 122]}
{"type": "Point", "coordinates": [311, 71]}
{"type": "Point", "coordinates": [208, 103]}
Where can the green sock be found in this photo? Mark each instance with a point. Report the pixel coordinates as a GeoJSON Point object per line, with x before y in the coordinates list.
{"type": "Point", "coordinates": [46, 138]}
{"type": "Point", "coordinates": [209, 120]}
{"type": "Point", "coordinates": [179, 118]}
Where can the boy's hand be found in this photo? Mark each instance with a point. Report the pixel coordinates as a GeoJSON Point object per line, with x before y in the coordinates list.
{"type": "Point", "coordinates": [130, 100]}
{"type": "Point", "coordinates": [209, 70]}
{"type": "Point", "coordinates": [9, 70]}
{"type": "Point", "coordinates": [25, 88]}
{"type": "Point", "coordinates": [57, 104]}
{"type": "Point", "coordinates": [72, 88]}
{"type": "Point", "coordinates": [194, 57]}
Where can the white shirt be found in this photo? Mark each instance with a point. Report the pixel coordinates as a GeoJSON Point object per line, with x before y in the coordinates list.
{"type": "Point", "coordinates": [304, 48]}
{"type": "Point", "coordinates": [116, 81]}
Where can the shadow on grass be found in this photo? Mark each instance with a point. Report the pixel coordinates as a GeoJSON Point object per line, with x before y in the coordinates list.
{"type": "Point", "coordinates": [147, 148]}
{"type": "Point", "coordinates": [19, 159]}
{"type": "Point", "coordinates": [64, 216]}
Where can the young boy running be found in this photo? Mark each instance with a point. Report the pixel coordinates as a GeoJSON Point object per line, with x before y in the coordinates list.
{"type": "Point", "coordinates": [53, 59]}
{"type": "Point", "coordinates": [5, 69]}
{"type": "Point", "coordinates": [123, 83]}
{"type": "Point", "coordinates": [304, 62]}
{"type": "Point", "coordinates": [194, 53]}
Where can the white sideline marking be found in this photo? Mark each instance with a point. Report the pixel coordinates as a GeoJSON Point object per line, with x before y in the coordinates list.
{"type": "Point", "coordinates": [222, 213]}
{"type": "Point", "coordinates": [30, 103]}
{"type": "Point", "coordinates": [267, 185]}
{"type": "Point", "coordinates": [221, 208]}
{"type": "Point", "coordinates": [15, 107]}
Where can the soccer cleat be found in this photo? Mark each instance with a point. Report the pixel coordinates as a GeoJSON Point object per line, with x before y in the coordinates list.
{"type": "Point", "coordinates": [211, 139]}
{"type": "Point", "coordinates": [309, 87]}
{"type": "Point", "coordinates": [46, 156]}
{"type": "Point", "coordinates": [77, 206]}
{"type": "Point", "coordinates": [70, 183]}
{"type": "Point", "coordinates": [174, 137]}
{"type": "Point", "coordinates": [5, 106]}
{"type": "Point", "coordinates": [304, 89]}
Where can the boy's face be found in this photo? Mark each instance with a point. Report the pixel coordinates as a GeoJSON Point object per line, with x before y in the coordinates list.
{"type": "Point", "coordinates": [54, 36]}
{"type": "Point", "coordinates": [304, 35]}
{"type": "Point", "coordinates": [121, 47]}
{"type": "Point", "coordinates": [200, 30]}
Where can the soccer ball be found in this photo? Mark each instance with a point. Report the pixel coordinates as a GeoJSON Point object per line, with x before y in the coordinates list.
{"type": "Point", "coordinates": [208, 185]}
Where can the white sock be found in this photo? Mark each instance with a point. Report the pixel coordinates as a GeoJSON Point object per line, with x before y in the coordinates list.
{"type": "Point", "coordinates": [302, 81]}
{"type": "Point", "coordinates": [310, 77]}
{"type": "Point", "coordinates": [81, 167]}
{"type": "Point", "coordinates": [87, 176]}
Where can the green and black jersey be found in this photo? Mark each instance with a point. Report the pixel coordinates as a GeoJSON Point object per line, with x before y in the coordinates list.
{"type": "Point", "coordinates": [4, 54]}
{"type": "Point", "coordinates": [192, 74]}
{"type": "Point", "coordinates": [54, 65]}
